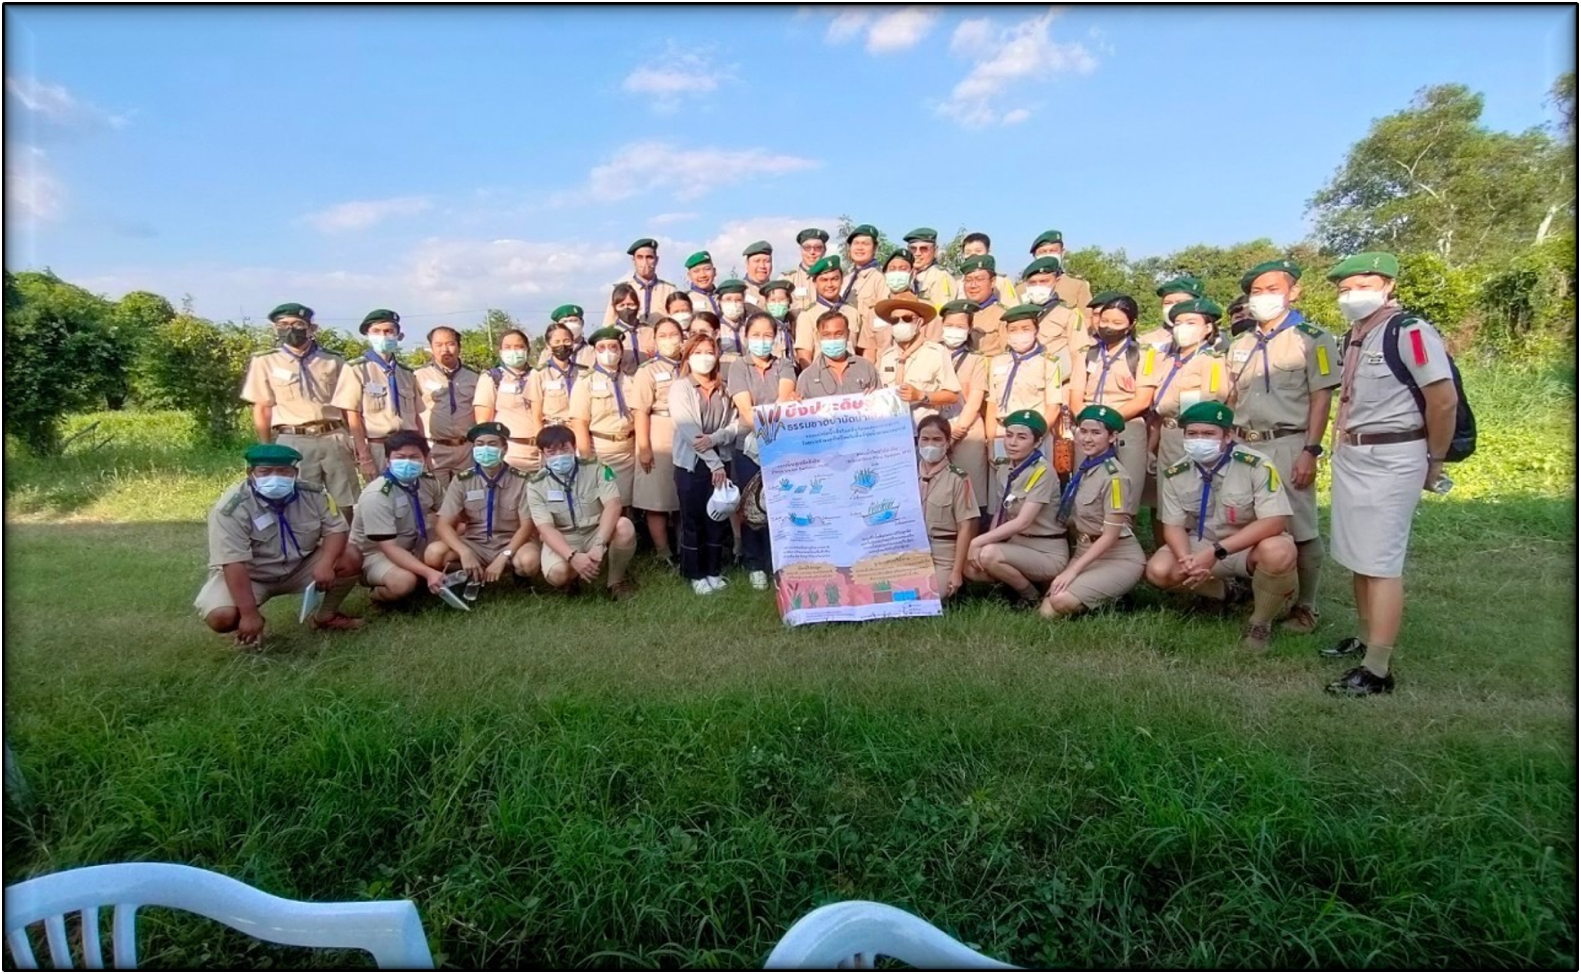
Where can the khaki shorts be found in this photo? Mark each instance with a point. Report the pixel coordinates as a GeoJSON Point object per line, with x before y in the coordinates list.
{"type": "Point", "coordinates": [377, 566]}
{"type": "Point", "coordinates": [1284, 451]}
{"type": "Point", "coordinates": [578, 540]}
{"type": "Point", "coordinates": [215, 594]}
{"type": "Point", "coordinates": [327, 460]}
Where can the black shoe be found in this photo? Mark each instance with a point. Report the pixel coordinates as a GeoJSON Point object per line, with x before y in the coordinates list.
{"type": "Point", "coordinates": [1349, 646]}
{"type": "Point", "coordinates": [1361, 682]}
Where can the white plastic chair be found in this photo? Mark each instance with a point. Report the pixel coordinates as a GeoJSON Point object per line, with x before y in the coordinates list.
{"type": "Point", "coordinates": [390, 930]}
{"type": "Point", "coordinates": [851, 935]}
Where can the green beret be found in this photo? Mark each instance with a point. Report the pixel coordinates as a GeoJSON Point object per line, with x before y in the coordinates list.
{"type": "Point", "coordinates": [701, 257]}
{"type": "Point", "coordinates": [829, 263]}
{"type": "Point", "coordinates": [606, 334]}
{"type": "Point", "coordinates": [926, 234]}
{"type": "Point", "coordinates": [1023, 312]}
{"type": "Point", "coordinates": [641, 243]}
{"type": "Point", "coordinates": [1047, 236]}
{"type": "Point", "coordinates": [1107, 415]}
{"type": "Point", "coordinates": [730, 286]}
{"type": "Point", "coordinates": [1207, 411]}
{"type": "Point", "coordinates": [1372, 262]}
{"type": "Point", "coordinates": [1207, 307]}
{"type": "Point", "coordinates": [811, 233]}
{"type": "Point", "coordinates": [1030, 418]}
{"type": "Point", "coordinates": [1103, 298]}
{"type": "Point", "coordinates": [959, 307]}
{"type": "Point", "coordinates": [758, 247]}
{"type": "Point", "coordinates": [292, 308]}
{"type": "Point", "coordinates": [1282, 264]}
{"type": "Point", "coordinates": [1044, 265]}
{"type": "Point", "coordinates": [785, 286]}
{"type": "Point", "coordinates": [862, 230]}
{"type": "Point", "coordinates": [378, 314]}
{"type": "Point", "coordinates": [900, 252]}
{"type": "Point", "coordinates": [981, 262]}
{"type": "Point", "coordinates": [271, 454]}
{"type": "Point", "coordinates": [1185, 284]}
{"type": "Point", "coordinates": [565, 311]}
{"type": "Point", "coordinates": [488, 429]}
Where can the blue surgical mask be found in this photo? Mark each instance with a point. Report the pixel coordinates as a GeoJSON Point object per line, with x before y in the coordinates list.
{"type": "Point", "coordinates": [514, 357]}
{"type": "Point", "coordinates": [561, 464]}
{"type": "Point", "coordinates": [406, 470]}
{"type": "Point", "coordinates": [487, 456]}
{"type": "Point", "coordinates": [761, 347]}
{"type": "Point", "coordinates": [274, 486]}
{"type": "Point", "coordinates": [384, 344]}
{"type": "Point", "coordinates": [832, 347]}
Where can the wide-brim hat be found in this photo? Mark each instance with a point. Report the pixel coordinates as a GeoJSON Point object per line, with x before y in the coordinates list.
{"type": "Point", "coordinates": [922, 309]}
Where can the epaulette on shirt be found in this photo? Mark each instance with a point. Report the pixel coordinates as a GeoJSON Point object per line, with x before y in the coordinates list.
{"type": "Point", "coordinates": [388, 486]}
{"type": "Point", "coordinates": [1250, 459]}
{"type": "Point", "coordinates": [232, 502]}
{"type": "Point", "coordinates": [536, 476]}
{"type": "Point", "coordinates": [309, 486]}
{"type": "Point", "coordinates": [1111, 466]}
{"type": "Point", "coordinates": [519, 473]}
{"type": "Point", "coordinates": [466, 475]}
{"type": "Point", "coordinates": [958, 471]}
{"type": "Point", "coordinates": [1178, 468]}
{"type": "Point", "coordinates": [1309, 329]}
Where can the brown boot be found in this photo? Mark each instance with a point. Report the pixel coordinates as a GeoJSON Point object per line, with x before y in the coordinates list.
{"type": "Point", "coordinates": [339, 621]}
{"type": "Point", "coordinates": [1256, 637]}
{"type": "Point", "coordinates": [623, 590]}
{"type": "Point", "coordinates": [1302, 619]}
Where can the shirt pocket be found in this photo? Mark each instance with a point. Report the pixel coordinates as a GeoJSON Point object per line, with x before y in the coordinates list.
{"type": "Point", "coordinates": [286, 384]}
{"type": "Point", "coordinates": [1239, 508]}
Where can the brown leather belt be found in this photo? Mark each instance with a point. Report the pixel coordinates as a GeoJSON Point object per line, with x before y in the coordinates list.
{"type": "Point", "coordinates": [613, 438]}
{"type": "Point", "coordinates": [440, 441]}
{"type": "Point", "coordinates": [311, 429]}
{"type": "Point", "coordinates": [1263, 436]}
{"type": "Point", "coordinates": [528, 440]}
{"type": "Point", "coordinates": [375, 439]}
{"type": "Point", "coordinates": [1378, 439]}
{"type": "Point", "coordinates": [1042, 537]}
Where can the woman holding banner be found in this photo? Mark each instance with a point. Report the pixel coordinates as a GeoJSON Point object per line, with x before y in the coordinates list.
{"type": "Point", "coordinates": [758, 378]}
{"type": "Point", "coordinates": [705, 428]}
{"type": "Point", "coordinates": [949, 507]}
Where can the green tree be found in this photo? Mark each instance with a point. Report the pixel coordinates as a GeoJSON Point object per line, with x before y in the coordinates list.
{"type": "Point", "coordinates": [197, 366]}
{"type": "Point", "coordinates": [136, 318]}
{"type": "Point", "coordinates": [62, 353]}
{"type": "Point", "coordinates": [950, 255]}
{"type": "Point", "coordinates": [1432, 178]}
{"type": "Point", "coordinates": [843, 229]}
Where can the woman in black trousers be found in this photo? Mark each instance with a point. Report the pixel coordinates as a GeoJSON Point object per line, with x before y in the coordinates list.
{"type": "Point", "coordinates": [705, 431]}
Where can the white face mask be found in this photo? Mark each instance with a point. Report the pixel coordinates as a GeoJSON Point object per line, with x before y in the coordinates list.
{"type": "Point", "coordinates": [1266, 307]}
{"type": "Point", "coordinates": [702, 363]}
{"type": "Point", "coordinates": [1189, 335]}
{"type": "Point", "coordinates": [574, 325]}
{"type": "Point", "coordinates": [731, 310]}
{"type": "Point", "coordinates": [608, 359]}
{"type": "Point", "coordinates": [931, 454]}
{"type": "Point", "coordinates": [1203, 451]}
{"type": "Point", "coordinates": [682, 318]}
{"type": "Point", "coordinates": [1022, 341]}
{"type": "Point", "coordinates": [905, 331]}
{"type": "Point", "coordinates": [669, 347]}
{"type": "Point", "coordinates": [1356, 305]}
{"type": "Point", "coordinates": [956, 337]}
{"type": "Point", "coordinates": [1166, 313]}
{"type": "Point", "coordinates": [1039, 293]}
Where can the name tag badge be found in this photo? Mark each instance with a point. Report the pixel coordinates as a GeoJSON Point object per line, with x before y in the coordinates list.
{"type": "Point", "coordinates": [661, 376]}
{"type": "Point", "coordinates": [1001, 370]}
{"type": "Point", "coordinates": [263, 520]}
{"type": "Point", "coordinates": [285, 375]}
{"type": "Point", "coordinates": [600, 385]}
{"type": "Point", "coordinates": [1189, 399]}
{"type": "Point", "coordinates": [1241, 355]}
{"type": "Point", "coordinates": [1373, 358]}
{"type": "Point", "coordinates": [521, 387]}
{"type": "Point", "coordinates": [556, 495]}
{"type": "Point", "coordinates": [476, 495]}
{"type": "Point", "coordinates": [377, 392]}
{"type": "Point", "coordinates": [434, 386]}
{"type": "Point", "coordinates": [800, 292]}
{"type": "Point", "coordinates": [555, 385]}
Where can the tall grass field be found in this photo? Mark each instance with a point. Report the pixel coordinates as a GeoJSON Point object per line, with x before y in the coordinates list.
{"type": "Point", "coordinates": [569, 782]}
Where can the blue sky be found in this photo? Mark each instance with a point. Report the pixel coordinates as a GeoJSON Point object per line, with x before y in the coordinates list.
{"type": "Point", "coordinates": [441, 160]}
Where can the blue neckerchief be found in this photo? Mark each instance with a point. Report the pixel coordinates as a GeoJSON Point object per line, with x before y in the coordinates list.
{"type": "Point", "coordinates": [787, 332]}
{"type": "Point", "coordinates": [856, 271]}
{"type": "Point", "coordinates": [413, 495]}
{"type": "Point", "coordinates": [646, 287]}
{"type": "Point", "coordinates": [1291, 318]}
{"type": "Point", "coordinates": [620, 399]}
{"type": "Point", "coordinates": [1016, 359]}
{"type": "Point", "coordinates": [1068, 498]}
{"type": "Point", "coordinates": [569, 487]}
{"type": "Point", "coordinates": [568, 373]}
{"type": "Point", "coordinates": [631, 335]}
{"type": "Point", "coordinates": [1108, 360]}
{"type": "Point", "coordinates": [301, 361]}
{"type": "Point", "coordinates": [279, 515]}
{"type": "Point", "coordinates": [1010, 483]}
{"type": "Point", "coordinates": [1176, 364]}
{"type": "Point", "coordinates": [1207, 488]}
{"type": "Point", "coordinates": [959, 355]}
{"type": "Point", "coordinates": [993, 299]}
{"type": "Point", "coordinates": [389, 377]}
{"type": "Point", "coordinates": [713, 302]}
{"type": "Point", "coordinates": [488, 504]}
{"type": "Point", "coordinates": [450, 377]}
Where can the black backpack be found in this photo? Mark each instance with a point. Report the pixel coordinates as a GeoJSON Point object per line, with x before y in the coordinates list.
{"type": "Point", "coordinates": [1464, 442]}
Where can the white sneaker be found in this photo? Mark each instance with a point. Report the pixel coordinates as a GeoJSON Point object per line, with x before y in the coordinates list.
{"type": "Point", "coordinates": [717, 582]}
{"type": "Point", "coordinates": [759, 580]}
{"type": "Point", "coordinates": [701, 586]}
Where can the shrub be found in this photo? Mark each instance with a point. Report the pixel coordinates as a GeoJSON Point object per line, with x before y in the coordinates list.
{"type": "Point", "coordinates": [198, 367]}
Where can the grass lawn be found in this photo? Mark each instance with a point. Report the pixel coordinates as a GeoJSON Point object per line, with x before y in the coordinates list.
{"type": "Point", "coordinates": [669, 781]}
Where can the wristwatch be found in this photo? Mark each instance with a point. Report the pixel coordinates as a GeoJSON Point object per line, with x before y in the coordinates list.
{"type": "Point", "coordinates": [509, 554]}
{"type": "Point", "coordinates": [1316, 449]}
{"type": "Point", "coordinates": [1219, 553]}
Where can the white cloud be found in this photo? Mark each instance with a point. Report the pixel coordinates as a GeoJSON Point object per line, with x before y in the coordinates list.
{"type": "Point", "coordinates": [846, 26]}
{"type": "Point", "coordinates": [675, 77]}
{"type": "Point", "coordinates": [665, 219]}
{"type": "Point", "coordinates": [33, 193]}
{"type": "Point", "coordinates": [686, 173]}
{"type": "Point", "coordinates": [1003, 58]}
{"type": "Point", "coordinates": [886, 33]}
{"type": "Point", "coordinates": [55, 104]}
{"type": "Point", "coordinates": [780, 231]}
{"type": "Point", "coordinates": [362, 214]}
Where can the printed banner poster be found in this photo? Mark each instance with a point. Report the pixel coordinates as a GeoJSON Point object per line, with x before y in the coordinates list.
{"type": "Point", "coordinates": [844, 509]}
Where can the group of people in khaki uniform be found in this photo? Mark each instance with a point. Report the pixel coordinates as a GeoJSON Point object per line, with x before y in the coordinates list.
{"type": "Point", "coordinates": [1046, 424]}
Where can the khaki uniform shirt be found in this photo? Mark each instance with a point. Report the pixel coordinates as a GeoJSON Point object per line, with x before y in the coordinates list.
{"type": "Point", "coordinates": [820, 380]}
{"type": "Point", "coordinates": [511, 397]}
{"type": "Point", "coordinates": [1036, 384]}
{"type": "Point", "coordinates": [583, 356]}
{"type": "Point", "coordinates": [1074, 291]}
{"type": "Point", "coordinates": [704, 300]}
{"type": "Point", "coordinates": [1037, 484]}
{"type": "Point", "coordinates": [468, 495]}
{"type": "Point", "coordinates": [971, 371]}
{"type": "Point", "coordinates": [244, 528]}
{"type": "Point", "coordinates": [575, 511]}
{"type": "Point", "coordinates": [1063, 331]}
{"type": "Point", "coordinates": [384, 513]}
{"type": "Point", "coordinates": [754, 293]}
{"type": "Point", "coordinates": [865, 289]}
{"type": "Point", "coordinates": [650, 298]}
{"type": "Point", "coordinates": [807, 326]}
{"type": "Point", "coordinates": [1159, 338]}
{"type": "Point", "coordinates": [638, 347]}
{"type": "Point", "coordinates": [1103, 497]}
{"type": "Point", "coordinates": [927, 366]}
{"type": "Point", "coordinates": [447, 401]}
{"type": "Point", "coordinates": [276, 379]}
{"type": "Point", "coordinates": [947, 500]}
{"type": "Point", "coordinates": [988, 330]}
{"type": "Point", "coordinates": [1177, 386]}
{"type": "Point", "coordinates": [364, 387]}
{"type": "Point", "coordinates": [650, 387]}
{"type": "Point", "coordinates": [935, 286]}
{"type": "Point", "coordinates": [594, 400]}
{"type": "Point", "coordinates": [802, 291]}
{"type": "Point", "coordinates": [1120, 385]}
{"type": "Point", "coordinates": [1003, 287]}
{"type": "Point", "coordinates": [1246, 488]}
{"type": "Point", "coordinates": [1302, 359]}
{"type": "Point", "coordinates": [552, 387]}
{"type": "Point", "coordinates": [1380, 403]}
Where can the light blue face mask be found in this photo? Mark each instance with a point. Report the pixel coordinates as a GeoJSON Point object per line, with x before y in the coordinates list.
{"type": "Point", "coordinates": [897, 280]}
{"type": "Point", "coordinates": [274, 486]}
{"type": "Point", "coordinates": [488, 456]}
{"type": "Point", "coordinates": [406, 470]}
{"type": "Point", "coordinates": [514, 357]}
{"type": "Point", "coordinates": [761, 347]}
{"type": "Point", "coordinates": [384, 344]}
{"type": "Point", "coordinates": [561, 464]}
{"type": "Point", "coordinates": [834, 348]}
